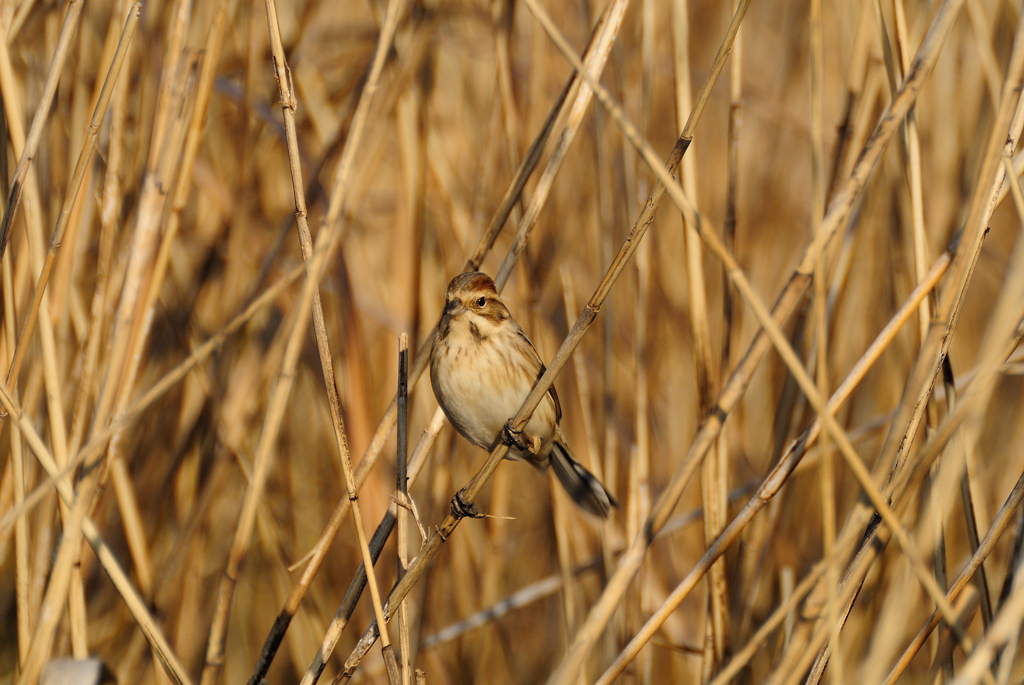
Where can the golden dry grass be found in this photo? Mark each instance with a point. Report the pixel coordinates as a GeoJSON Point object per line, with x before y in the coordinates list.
{"type": "Point", "coordinates": [202, 224]}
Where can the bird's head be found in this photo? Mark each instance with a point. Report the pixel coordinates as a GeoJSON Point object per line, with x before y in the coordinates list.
{"type": "Point", "coordinates": [473, 297]}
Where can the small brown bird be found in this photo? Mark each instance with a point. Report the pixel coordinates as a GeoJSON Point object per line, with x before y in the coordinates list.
{"type": "Point", "coordinates": [482, 367]}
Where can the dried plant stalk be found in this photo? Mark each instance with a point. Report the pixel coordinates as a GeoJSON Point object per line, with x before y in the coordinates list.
{"type": "Point", "coordinates": [35, 132]}
{"type": "Point", "coordinates": [316, 262]}
{"type": "Point", "coordinates": [197, 166]}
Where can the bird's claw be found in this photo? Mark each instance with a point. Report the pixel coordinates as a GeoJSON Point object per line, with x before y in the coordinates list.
{"type": "Point", "coordinates": [463, 509]}
{"type": "Point", "coordinates": [512, 437]}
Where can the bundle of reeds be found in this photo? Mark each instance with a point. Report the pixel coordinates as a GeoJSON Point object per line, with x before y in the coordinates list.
{"type": "Point", "coordinates": [769, 251]}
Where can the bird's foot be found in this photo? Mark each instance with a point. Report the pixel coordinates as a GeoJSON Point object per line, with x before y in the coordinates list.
{"type": "Point", "coordinates": [462, 509]}
{"type": "Point", "coordinates": [512, 437]}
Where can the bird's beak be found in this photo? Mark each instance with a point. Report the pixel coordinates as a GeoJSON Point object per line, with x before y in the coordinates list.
{"type": "Point", "coordinates": [454, 307]}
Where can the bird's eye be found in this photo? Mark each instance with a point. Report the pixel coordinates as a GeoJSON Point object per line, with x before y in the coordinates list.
{"type": "Point", "coordinates": [481, 302]}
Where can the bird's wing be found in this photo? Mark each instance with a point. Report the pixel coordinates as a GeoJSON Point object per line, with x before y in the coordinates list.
{"type": "Point", "coordinates": [551, 390]}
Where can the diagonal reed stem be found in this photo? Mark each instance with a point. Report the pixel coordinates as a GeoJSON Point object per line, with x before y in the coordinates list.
{"type": "Point", "coordinates": [326, 244]}
{"type": "Point", "coordinates": [84, 159]}
{"type": "Point", "coordinates": [35, 132]}
{"type": "Point", "coordinates": [133, 601]}
{"type": "Point", "coordinates": [832, 222]}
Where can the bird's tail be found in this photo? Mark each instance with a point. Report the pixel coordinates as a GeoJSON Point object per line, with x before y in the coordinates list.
{"type": "Point", "coordinates": [585, 489]}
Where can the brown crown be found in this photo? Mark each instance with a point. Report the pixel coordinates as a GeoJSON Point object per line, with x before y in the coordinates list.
{"type": "Point", "coordinates": [472, 282]}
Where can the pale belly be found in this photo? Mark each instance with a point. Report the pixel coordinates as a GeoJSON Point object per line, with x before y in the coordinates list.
{"type": "Point", "coordinates": [479, 393]}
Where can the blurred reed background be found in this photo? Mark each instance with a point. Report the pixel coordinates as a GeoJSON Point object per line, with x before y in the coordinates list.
{"type": "Point", "coordinates": [186, 218]}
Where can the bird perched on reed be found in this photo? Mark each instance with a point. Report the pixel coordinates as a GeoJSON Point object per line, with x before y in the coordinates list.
{"type": "Point", "coordinates": [482, 367]}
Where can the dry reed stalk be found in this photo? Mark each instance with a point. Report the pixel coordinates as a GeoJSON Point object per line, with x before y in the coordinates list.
{"type": "Point", "coordinates": [935, 345]}
{"type": "Point", "coordinates": [606, 457]}
{"type": "Point", "coordinates": [84, 159]}
{"type": "Point", "coordinates": [912, 147]}
{"type": "Point", "coordinates": [593, 462]}
{"type": "Point", "coordinates": [109, 215]}
{"type": "Point", "coordinates": [568, 538]}
{"type": "Point", "coordinates": [729, 223]}
{"type": "Point", "coordinates": [35, 132]}
{"type": "Point", "coordinates": [510, 199]}
{"type": "Point", "coordinates": [493, 650]}
{"type": "Point", "coordinates": [897, 66]}
{"type": "Point", "coordinates": [143, 243]}
{"type": "Point", "coordinates": [17, 461]}
{"type": "Point", "coordinates": [199, 440]}
{"type": "Point", "coordinates": [560, 520]}
{"type": "Point", "coordinates": [948, 305]}
{"type": "Point", "coordinates": [999, 342]}
{"type": "Point", "coordinates": [1012, 565]}
{"type": "Point", "coordinates": [42, 542]}
{"type": "Point", "coordinates": [24, 147]}
{"type": "Point", "coordinates": [714, 474]}
{"type": "Point", "coordinates": [1018, 169]}
{"type": "Point", "coordinates": [608, 469]}
{"type": "Point", "coordinates": [183, 125]}
{"type": "Point", "coordinates": [913, 144]}
{"type": "Point", "coordinates": [826, 475]}
{"type": "Point", "coordinates": [596, 55]}
{"type": "Point", "coordinates": [68, 316]}
{"type": "Point", "coordinates": [326, 244]}
{"type": "Point", "coordinates": [68, 553]}
{"type": "Point", "coordinates": [775, 480]}
{"type": "Point", "coordinates": [85, 527]}
{"type": "Point", "coordinates": [288, 105]}
{"type": "Point", "coordinates": [752, 562]}
{"type": "Point", "coordinates": [607, 26]}
{"type": "Point", "coordinates": [179, 199]}
{"type": "Point", "coordinates": [892, 67]}
{"type": "Point", "coordinates": [987, 56]}
{"type": "Point", "coordinates": [402, 494]}
{"type": "Point", "coordinates": [463, 501]}
{"type": "Point", "coordinates": [369, 459]}
{"type": "Point", "coordinates": [640, 461]}
{"type": "Point", "coordinates": [181, 11]}
{"type": "Point", "coordinates": [18, 20]}
{"type": "Point", "coordinates": [410, 115]}
{"type": "Point", "coordinates": [15, 470]}
{"type": "Point", "coordinates": [730, 220]}
{"type": "Point", "coordinates": [96, 446]}
{"type": "Point", "coordinates": [859, 518]}
{"type": "Point", "coordinates": [501, 20]}
{"type": "Point", "coordinates": [1000, 523]}
{"type": "Point", "coordinates": [856, 86]}
{"type": "Point", "coordinates": [833, 219]}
